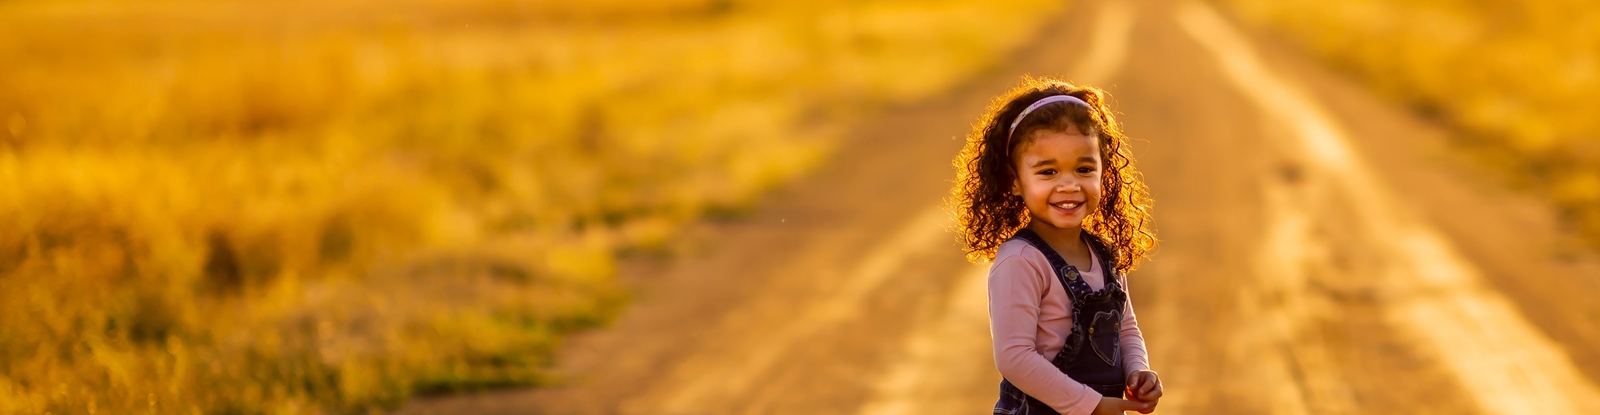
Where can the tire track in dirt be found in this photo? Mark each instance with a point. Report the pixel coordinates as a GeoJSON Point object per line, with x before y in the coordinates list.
{"type": "Point", "coordinates": [729, 375]}
{"type": "Point", "coordinates": [1506, 365]}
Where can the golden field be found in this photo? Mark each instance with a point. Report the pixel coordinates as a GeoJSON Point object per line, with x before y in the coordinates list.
{"type": "Point", "coordinates": [1520, 79]}
{"type": "Point", "coordinates": [294, 206]}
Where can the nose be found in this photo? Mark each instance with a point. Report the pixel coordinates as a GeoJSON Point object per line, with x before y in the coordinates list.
{"type": "Point", "coordinates": [1068, 185]}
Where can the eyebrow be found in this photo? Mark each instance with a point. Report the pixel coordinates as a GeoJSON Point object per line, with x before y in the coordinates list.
{"type": "Point", "coordinates": [1045, 162]}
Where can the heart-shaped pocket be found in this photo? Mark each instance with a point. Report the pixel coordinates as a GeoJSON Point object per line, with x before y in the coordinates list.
{"type": "Point", "coordinates": [1104, 336]}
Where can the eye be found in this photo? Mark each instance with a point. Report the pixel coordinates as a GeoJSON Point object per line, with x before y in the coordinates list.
{"type": "Point", "coordinates": [1047, 172]}
{"type": "Point", "coordinates": [1085, 170]}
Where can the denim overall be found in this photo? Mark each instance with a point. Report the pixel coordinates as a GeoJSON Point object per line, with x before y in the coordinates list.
{"type": "Point", "coordinates": [1096, 320]}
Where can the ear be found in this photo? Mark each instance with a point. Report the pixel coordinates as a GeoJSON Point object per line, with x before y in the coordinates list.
{"type": "Point", "coordinates": [1016, 187]}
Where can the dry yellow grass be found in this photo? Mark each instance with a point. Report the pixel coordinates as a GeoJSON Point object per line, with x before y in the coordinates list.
{"type": "Point", "coordinates": [248, 206]}
{"type": "Point", "coordinates": [1521, 79]}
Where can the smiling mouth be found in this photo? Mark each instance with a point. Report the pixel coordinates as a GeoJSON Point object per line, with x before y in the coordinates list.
{"type": "Point", "coordinates": [1067, 205]}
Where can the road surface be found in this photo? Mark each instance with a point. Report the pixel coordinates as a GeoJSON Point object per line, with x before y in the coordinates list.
{"type": "Point", "coordinates": [1323, 252]}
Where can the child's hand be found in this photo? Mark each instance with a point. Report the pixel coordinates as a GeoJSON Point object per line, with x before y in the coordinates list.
{"type": "Point", "coordinates": [1114, 406]}
{"type": "Point", "coordinates": [1145, 387]}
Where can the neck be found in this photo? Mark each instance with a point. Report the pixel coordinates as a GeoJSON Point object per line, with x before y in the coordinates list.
{"type": "Point", "coordinates": [1066, 240]}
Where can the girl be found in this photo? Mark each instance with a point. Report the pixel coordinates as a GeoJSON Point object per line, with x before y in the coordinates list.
{"type": "Point", "coordinates": [1046, 188]}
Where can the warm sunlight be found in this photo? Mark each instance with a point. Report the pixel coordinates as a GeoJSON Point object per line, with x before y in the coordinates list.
{"type": "Point", "coordinates": [675, 207]}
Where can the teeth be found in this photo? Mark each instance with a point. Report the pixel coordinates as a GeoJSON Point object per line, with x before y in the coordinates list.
{"type": "Point", "coordinates": [1067, 205]}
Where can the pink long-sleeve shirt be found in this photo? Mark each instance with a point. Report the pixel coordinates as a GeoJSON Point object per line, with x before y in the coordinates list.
{"type": "Point", "coordinates": [1030, 316]}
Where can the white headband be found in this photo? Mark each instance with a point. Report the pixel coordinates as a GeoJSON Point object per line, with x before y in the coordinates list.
{"type": "Point", "coordinates": [1036, 105]}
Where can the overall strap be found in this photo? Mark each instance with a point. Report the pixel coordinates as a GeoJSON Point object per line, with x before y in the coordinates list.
{"type": "Point", "coordinates": [1058, 265]}
{"type": "Point", "coordinates": [1107, 265]}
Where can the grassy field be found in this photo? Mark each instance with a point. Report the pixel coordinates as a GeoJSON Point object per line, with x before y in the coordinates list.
{"type": "Point", "coordinates": [295, 206]}
{"type": "Point", "coordinates": [1520, 79]}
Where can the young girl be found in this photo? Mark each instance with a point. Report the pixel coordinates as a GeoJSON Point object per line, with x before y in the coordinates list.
{"type": "Point", "coordinates": [1046, 188]}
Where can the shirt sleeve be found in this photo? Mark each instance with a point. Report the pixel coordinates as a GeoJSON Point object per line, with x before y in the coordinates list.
{"type": "Point", "coordinates": [1016, 288]}
{"type": "Point", "coordinates": [1134, 355]}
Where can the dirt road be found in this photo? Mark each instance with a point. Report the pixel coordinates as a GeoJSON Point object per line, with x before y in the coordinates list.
{"type": "Point", "coordinates": [1323, 253]}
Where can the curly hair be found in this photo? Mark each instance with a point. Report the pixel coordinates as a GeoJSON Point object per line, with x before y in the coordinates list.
{"type": "Point", "coordinates": [988, 213]}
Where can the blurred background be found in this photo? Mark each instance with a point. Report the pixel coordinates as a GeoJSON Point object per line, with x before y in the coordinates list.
{"type": "Point", "coordinates": [333, 206]}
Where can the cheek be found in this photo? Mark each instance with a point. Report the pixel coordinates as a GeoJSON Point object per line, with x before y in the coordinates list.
{"type": "Point", "coordinates": [1095, 190]}
{"type": "Point", "coordinates": [1036, 190]}
{"type": "Point", "coordinates": [1038, 196]}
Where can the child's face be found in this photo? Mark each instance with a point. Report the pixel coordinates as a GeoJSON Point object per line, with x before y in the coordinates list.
{"type": "Point", "coordinates": [1058, 177]}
